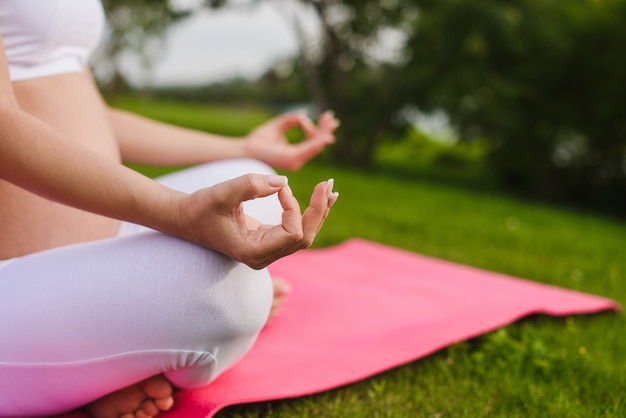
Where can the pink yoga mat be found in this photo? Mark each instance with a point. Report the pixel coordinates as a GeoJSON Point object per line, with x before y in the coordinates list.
{"type": "Point", "coordinates": [360, 308]}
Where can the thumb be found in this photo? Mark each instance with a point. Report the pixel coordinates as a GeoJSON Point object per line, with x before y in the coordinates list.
{"type": "Point", "coordinates": [247, 187]}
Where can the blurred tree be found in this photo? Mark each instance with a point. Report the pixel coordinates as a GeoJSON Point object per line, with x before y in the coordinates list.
{"type": "Point", "coordinates": [350, 68]}
{"type": "Point", "coordinates": [131, 25]}
{"type": "Point", "coordinates": [542, 81]}
{"type": "Point", "coordinates": [359, 62]}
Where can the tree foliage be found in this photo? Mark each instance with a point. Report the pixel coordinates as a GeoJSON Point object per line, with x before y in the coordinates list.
{"type": "Point", "coordinates": [350, 68]}
{"type": "Point", "coordinates": [542, 81]}
{"type": "Point", "coordinates": [131, 25]}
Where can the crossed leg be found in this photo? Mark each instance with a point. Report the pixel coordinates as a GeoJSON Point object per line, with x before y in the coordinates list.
{"type": "Point", "coordinates": [142, 307]}
{"type": "Point", "coordinates": [154, 395]}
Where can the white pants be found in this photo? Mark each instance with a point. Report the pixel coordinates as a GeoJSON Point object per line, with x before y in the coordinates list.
{"type": "Point", "coordinates": [82, 321]}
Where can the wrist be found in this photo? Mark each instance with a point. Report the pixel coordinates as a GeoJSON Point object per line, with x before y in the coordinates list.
{"type": "Point", "coordinates": [164, 211]}
{"type": "Point", "coordinates": [245, 148]}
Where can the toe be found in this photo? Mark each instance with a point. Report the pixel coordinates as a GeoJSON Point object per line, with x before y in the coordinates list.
{"type": "Point", "coordinates": [120, 404]}
{"type": "Point", "coordinates": [164, 404]}
{"type": "Point", "coordinates": [141, 414]}
{"type": "Point", "coordinates": [280, 286]}
{"type": "Point", "coordinates": [149, 408]}
{"type": "Point", "coordinates": [281, 289]}
{"type": "Point", "coordinates": [157, 387]}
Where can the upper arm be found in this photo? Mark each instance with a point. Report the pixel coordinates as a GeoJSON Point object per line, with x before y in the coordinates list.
{"type": "Point", "coordinates": [7, 96]}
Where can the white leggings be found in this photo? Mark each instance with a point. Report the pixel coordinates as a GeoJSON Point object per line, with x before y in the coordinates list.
{"type": "Point", "coordinates": [82, 321]}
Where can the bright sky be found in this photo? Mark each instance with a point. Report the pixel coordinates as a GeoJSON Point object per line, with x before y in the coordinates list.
{"type": "Point", "coordinates": [216, 45]}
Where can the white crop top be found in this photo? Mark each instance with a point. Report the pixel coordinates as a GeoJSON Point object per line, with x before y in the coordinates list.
{"type": "Point", "coordinates": [49, 37]}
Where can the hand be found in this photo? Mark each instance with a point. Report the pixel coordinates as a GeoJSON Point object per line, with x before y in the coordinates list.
{"type": "Point", "coordinates": [214, 217]}
{"type": "Point", "coordinates": [268, 143]}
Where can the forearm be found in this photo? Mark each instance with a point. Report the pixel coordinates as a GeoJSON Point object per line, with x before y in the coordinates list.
{"type": "Point", "coordinates": [149, 142]}
{"type": "Point", "coordinates": [36, 158]}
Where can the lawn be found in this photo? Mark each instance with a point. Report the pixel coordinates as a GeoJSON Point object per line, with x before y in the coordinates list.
{"type": "Point", "coordinates": [537, 367]}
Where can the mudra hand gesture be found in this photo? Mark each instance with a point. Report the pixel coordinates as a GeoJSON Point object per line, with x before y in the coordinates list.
{"type": "Point", "coordinates": [269, 144]}
{"type": "Point", "coordinates": [214, 218]}
{"type": "Point", "coordinates": [170, 298]}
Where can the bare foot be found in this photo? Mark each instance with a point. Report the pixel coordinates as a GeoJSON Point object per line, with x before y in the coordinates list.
{"type": "Point", "coordinates": [281, 290]}
{"type": "Point", "coordinates": [143, 400]}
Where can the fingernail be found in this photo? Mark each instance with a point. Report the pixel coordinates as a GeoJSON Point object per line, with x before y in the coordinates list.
{"type": "Point", "coordinates": [329, 187]}
{"type": "Point", "coordinates": [276, 180]}
{"type": "Point", "coordinates": [332, 199]}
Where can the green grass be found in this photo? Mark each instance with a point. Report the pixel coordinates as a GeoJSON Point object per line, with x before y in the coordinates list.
{"type": "Point", "coordinates": [538, 367]}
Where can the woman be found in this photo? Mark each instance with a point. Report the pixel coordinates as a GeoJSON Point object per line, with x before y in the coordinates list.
{"type": "Point", "coordinates": [110, 314]}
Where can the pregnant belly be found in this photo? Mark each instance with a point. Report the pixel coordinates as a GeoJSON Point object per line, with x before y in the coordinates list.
{"type": "Point", "coordinates": [70, 104]}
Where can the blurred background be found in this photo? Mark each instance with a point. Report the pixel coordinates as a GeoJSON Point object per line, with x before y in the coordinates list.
{"type": "Point", "coordinates": [485, 132]}
{"type": "Point", "coordinates": [526, 93]}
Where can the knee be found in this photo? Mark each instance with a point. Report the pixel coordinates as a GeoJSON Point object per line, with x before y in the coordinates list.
{"type": "Point", "coordinates": [231, 302]}
{"type": "Point", "coordinates": [193, 296]}
{"type": "Point", "coordinates": [199, 308]}
{"type": "Point", "coordinates": [223, 320]}
{"type": "Point", "coordinates": [244, 298]}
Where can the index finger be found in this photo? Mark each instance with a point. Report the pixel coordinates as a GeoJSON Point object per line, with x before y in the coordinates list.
{"type": "Point", "coordinates": [307, 125]}
{"type": "Point", "coordinates": [247, 187]}
{"type": "Point", "coordinates": [277, 241]}
{"type": "Point", "coordinates": [291, 120]}
{"type": "Point", "coordinates": [328, 122]}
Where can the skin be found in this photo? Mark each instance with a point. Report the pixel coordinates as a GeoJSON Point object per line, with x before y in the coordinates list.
{"type": "Point", "coordinates": [61, 182]}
